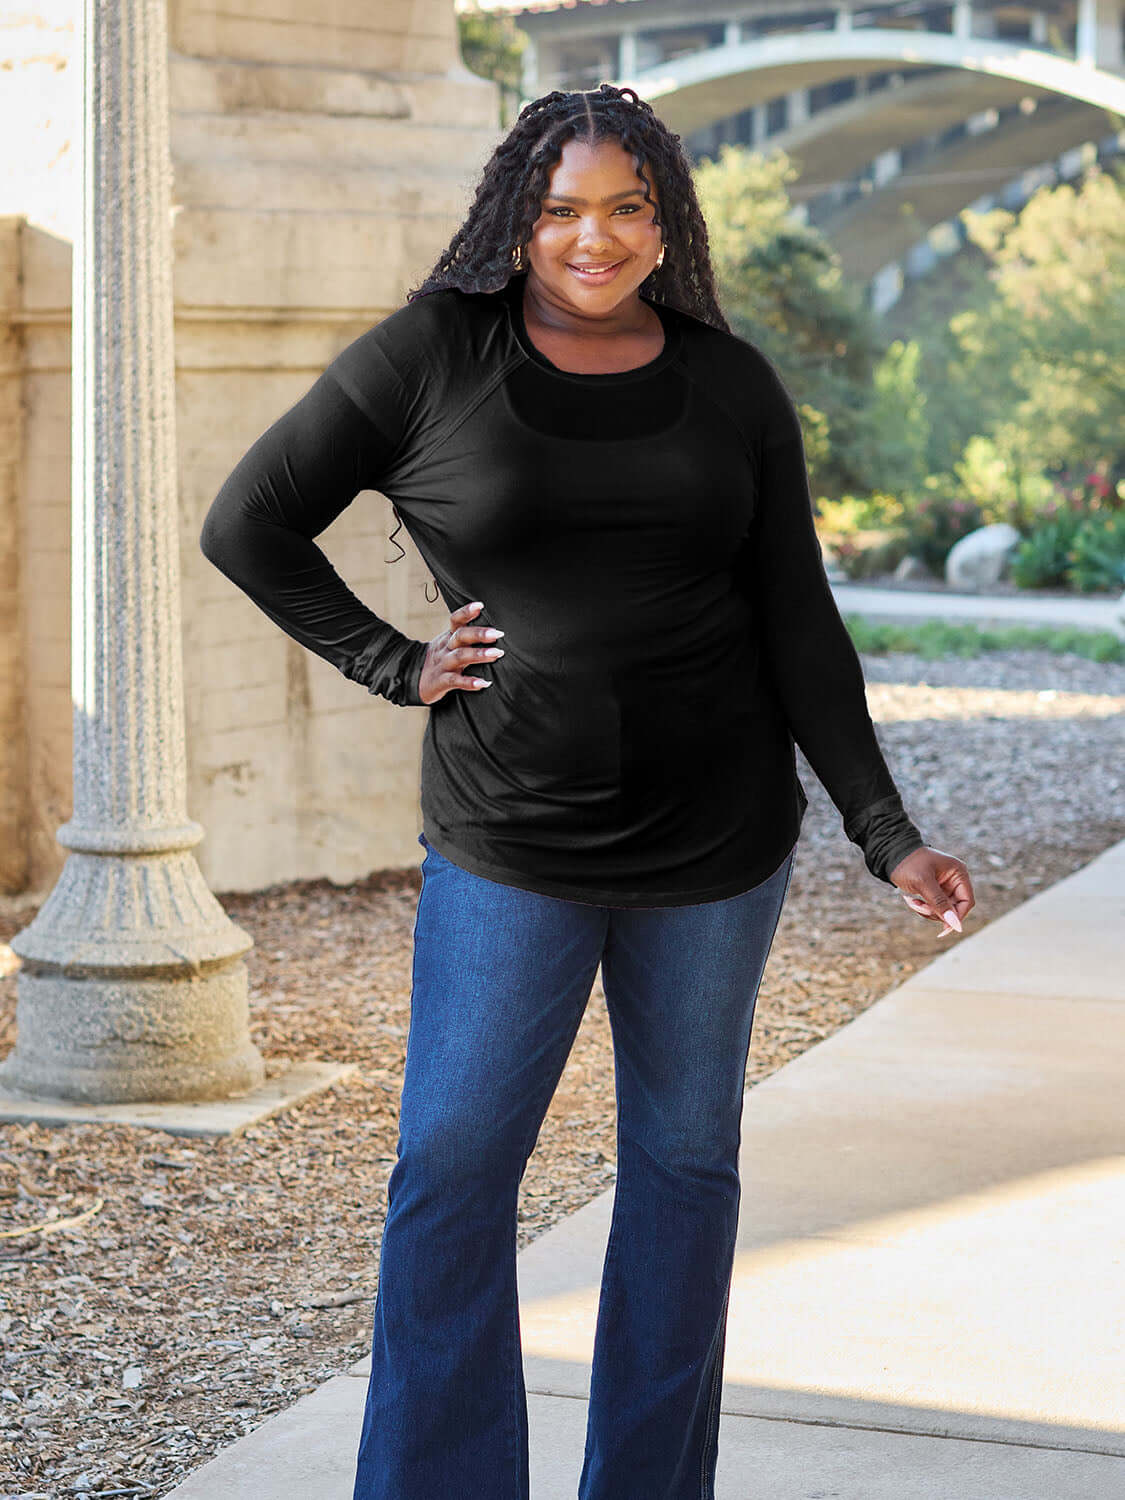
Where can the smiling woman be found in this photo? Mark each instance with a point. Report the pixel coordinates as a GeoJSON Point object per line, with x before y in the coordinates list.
{"type": "Point", "coordinates": [599, 473]}
{"type": "Point", "coordinates": [589, 258]}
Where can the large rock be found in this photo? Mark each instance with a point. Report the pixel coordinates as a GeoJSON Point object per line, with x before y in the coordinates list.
{"type": "Point", "coordinates": [979, 560]}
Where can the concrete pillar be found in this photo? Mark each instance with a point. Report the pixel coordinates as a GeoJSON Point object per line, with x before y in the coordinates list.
{"type": "Point", "coordinates": [1109, 51]}
{"type": "Point", "coordinates": [1039, 23]}
{"type": "Point", "coordinates": [1086, 34]}
{"type": "Point", "coordinates": [887, 165]}
{"type": "Point", "coordinates": [962, 18]}
{"type": "Point", "coordinates": [796, 106]}
{"type": "Point", "coordinates": [760, 126]}
{"type": "Point", "coordinates": [132, 986]}
{"type": "Point", "coordinates": [844, 18]}
{"type": "Point", "coordinates": [529, 82]}
{"type": "Point", "coordinates": [627, 54]}
{"type": "Point", "coordinates": [732, 33]}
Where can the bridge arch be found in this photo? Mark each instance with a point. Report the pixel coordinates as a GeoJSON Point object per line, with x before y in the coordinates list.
{"type": "Point", "coordinates": [692, 92]}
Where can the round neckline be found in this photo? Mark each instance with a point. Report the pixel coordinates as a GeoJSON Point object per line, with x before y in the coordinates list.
{"type": "Point", "coordinates": [513, 293]}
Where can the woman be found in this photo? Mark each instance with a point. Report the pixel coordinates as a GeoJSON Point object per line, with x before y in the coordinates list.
{"type": "Point", "coordinates": [600, 474]}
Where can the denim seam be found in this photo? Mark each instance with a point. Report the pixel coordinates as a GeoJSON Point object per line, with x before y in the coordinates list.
{"type": "Point", "coordinates": [712, 1422]}
{"type": "Point", "coordinates": [610, 1262]}
{"type": "Point", "coordinates": [513, 1360]}
{"type": "Point", "coordinates": [706, 1491]}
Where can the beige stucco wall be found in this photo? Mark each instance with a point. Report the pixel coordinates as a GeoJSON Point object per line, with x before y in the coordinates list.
{"type": "Point", "coordinates": [13, 701]}
{"type": "Point", "coordinates": [319, 167]}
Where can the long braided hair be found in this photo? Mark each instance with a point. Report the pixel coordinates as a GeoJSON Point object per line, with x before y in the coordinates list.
{"type": "Point", "coordinates": [479, 258]}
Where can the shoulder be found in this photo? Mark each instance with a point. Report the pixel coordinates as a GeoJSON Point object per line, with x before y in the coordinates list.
{"type": "Point", "coordinates": [418, 356]}
{"type": "Point", "coordinates": [432, 342]}
{"type": "Point", "coordinates": [738, 376]}
{"type": "Point", "coordinates": [428, 317]}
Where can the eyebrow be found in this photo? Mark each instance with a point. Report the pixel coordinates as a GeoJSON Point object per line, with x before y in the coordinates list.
{"type": "Point", "coordinates": [613, 197]}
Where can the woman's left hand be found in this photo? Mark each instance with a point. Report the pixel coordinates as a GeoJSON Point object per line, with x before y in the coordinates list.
{"type": "Point", "coordinates": [936, 886]}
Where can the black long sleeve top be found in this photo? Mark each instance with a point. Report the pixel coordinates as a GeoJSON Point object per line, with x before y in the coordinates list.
{"type": "Point", "coordinates": [644, 539]}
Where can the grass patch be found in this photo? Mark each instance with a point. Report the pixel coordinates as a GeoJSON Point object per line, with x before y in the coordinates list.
{"type": "Point", "coordinates": [934, 638]}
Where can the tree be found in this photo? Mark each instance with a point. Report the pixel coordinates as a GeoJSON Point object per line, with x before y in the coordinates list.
{"type": "Point", "coordinates": [492, 46]}
{"type": "Point", "coordinates": [1060, 282]}
{"type": "Point", "coordinates": [782, 286]}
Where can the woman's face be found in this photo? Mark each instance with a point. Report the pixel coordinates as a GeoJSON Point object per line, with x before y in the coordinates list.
{"type": "Point", "coordinates": [594, 213]}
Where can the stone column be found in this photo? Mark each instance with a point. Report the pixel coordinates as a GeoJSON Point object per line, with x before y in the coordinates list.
{"type": "Point", "coordinates": [529, 82]}
{"type": "Point", "coordinates": [132, 986]}
{"type": "Point", "coordinates": [627, 55]}
{"type": "Point", "coordinates": [1086, 34]}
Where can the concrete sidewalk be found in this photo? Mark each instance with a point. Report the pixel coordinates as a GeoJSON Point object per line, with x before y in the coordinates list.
{"type": "Point", "coordinates": [929, 1292]}
{"type": "Point", "coordinates": [989, 611]}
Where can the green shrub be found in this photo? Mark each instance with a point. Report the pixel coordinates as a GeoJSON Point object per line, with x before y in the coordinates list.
{"type": "Point", "coordinates": [935, 638]}
{"type": "Point", "coordinates": [1079, 543]}
{"type": "Point", "coordinates": [1041, 560]}
{"type": "Point", "coordinates": [931, 524]}
{"type": "Point", "coordinates": [1097, 554]}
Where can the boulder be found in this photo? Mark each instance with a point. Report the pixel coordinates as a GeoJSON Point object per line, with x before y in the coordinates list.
{"type": "Point", "coordinates": [911, 567]}
{"type": "Point", "coordinates": [978, 561]}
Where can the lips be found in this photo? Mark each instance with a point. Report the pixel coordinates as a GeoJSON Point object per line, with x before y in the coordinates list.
{"type": "Point", "coordinates": [595, 273]}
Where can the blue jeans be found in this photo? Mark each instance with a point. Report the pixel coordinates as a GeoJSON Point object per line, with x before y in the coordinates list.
{"type": "Point", "coordinates": [501, 979]}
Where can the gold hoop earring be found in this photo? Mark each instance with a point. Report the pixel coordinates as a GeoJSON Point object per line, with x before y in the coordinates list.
{"type": "Point", "coordinates": [659, 259]}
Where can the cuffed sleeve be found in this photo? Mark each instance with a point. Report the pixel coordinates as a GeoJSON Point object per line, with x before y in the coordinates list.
{"type": "Point", "coordinates": [806, 646]}
{"type": "Point", "coordinates": [287, 488]}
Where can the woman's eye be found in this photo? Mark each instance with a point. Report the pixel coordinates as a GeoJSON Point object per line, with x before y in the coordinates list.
{"type": "Point", "coordinates": [629, 208]}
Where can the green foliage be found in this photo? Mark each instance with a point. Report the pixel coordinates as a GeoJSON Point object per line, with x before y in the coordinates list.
{"type": "Point", "coordinates": [1078, 539]}
{"type": "Point", "coordinates": [896, 423]}
{"type": "Point", "coordinates": [1041, 560]}
{"type": "Point", "coordinates": [861, 557]}
{"type": "Point", "coordinates": [1097, 555]}
{"type": "Point", "coordinates": [1031, 359]}
{"type": "Point", "coordinates": [982, 410]}
{"type": "Point", "coordinates": [935, 638]}
{"type": "Point", "coordinates": [782, 287]}
{"type": "Point", "coordinates": [1060, 279]}
{"type": "Point", "coordinates": [936, 517]}
{"type": "Point", "coordinates": [492, 46]}
{"type": "Point", "coordinates": [854, 513]}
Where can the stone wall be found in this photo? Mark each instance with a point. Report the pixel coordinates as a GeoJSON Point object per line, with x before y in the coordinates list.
{"type": "Point", "coordinates": [13, 685]}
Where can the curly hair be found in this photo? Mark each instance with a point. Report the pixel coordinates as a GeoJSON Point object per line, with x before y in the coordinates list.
{"type": "Point", "coordinates": [479, 258]}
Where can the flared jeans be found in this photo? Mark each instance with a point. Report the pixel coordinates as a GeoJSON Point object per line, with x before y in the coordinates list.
{"type": "Point", "coordinates": [501, 978]}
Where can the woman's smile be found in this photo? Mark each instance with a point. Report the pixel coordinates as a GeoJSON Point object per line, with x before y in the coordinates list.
{"type": "Point", "coordinates": [595, 274]}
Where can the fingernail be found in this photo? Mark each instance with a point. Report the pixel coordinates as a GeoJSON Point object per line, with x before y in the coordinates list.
{"type": "Point", "coordinates": [494, 651]}
{"type": "Point", "coordinates": [952, 919]}
{"type": "Point", "coordinates": [476, 604]}
{"type": "Point", "coordinates": [480, 682]}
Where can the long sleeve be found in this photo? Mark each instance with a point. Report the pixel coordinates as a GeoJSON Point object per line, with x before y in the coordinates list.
{"type": "Point", "coordinates": [807, 648]}
{"type": "Point", "coordinates": [287, 488]}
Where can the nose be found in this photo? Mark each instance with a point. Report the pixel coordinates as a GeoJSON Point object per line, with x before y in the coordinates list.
{"type": "Point", "coordinates": [593, 235]}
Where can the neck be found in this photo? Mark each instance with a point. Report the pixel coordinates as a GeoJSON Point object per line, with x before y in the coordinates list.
{"type": "Point", "coordinates": [541, 305]}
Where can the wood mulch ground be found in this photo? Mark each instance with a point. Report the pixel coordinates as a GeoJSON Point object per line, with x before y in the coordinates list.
{"type": "Point", "coordinates": [223, 1279]}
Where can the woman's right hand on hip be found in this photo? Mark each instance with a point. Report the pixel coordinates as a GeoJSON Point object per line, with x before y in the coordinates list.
{"type": "Point", "coordinates": [450, 654]}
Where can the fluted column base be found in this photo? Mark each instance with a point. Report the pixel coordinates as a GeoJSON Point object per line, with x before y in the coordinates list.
{"type": "Point", "coordinates": [132, 988]}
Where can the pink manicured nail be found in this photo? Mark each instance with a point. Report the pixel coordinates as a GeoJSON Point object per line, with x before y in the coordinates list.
{"type": "Point", "coordinates": [952, 920]}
